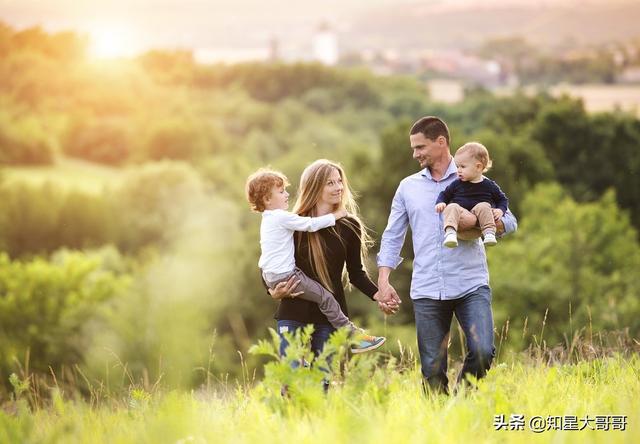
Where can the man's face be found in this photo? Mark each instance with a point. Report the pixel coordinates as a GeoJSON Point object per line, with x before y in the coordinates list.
{"type": "Point", "coordinates": [425, 151]}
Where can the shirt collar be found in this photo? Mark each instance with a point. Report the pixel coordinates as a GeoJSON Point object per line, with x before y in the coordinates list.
{"type": "Point", "coordinates": [451, 169]}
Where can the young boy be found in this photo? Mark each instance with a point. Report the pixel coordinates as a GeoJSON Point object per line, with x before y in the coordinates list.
{"type": "Point", "coordinates": [265, 190]}
{"type": "Point", "coordinates": [474, 192]}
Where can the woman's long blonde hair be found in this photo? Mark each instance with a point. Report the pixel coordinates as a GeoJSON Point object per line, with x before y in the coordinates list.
{"type": "Point", "coordinates": [312, 182]}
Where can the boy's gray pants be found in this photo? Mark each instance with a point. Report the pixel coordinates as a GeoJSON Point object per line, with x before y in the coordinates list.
{"type": "Point", "coordinates": [313, 292]}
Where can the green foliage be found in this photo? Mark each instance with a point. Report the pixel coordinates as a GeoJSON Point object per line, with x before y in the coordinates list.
{"type": "Point", "coordinates": [44, 218]}
{"type": "Point", "coordinates": [103, 141]}
{"type": "Point", "coordinates": [44, 306]}
{"type": "Point", "coordinates": [579, 261]}
{"type": "Point", "coordinates": [19, 386]}
{"type": "Point", "coordinates": [169, 66]}
{"type": "Point", "coordinates": [299, 375]}
{"type": "Point", "coordinates": [24, 141]}
{"type": "Point", "coordinates": [591, 153]}
{"type": "Point", "coordinates": [519, 163]}
{"type": "Point", "coordinates": [354, 412]}
{"type": "Point", "coordinates": [151, 202]}
{"type": "Point", "coordinates": [178, 138]}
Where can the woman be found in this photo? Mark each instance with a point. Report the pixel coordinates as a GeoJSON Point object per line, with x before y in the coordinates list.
{"type": "Point", "coordinates": [323, 255]}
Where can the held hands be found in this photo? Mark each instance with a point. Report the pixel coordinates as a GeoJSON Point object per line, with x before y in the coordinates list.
{"type": "Point", "coordinates": [388, 299]}
{"type": "Point", "coordinates": [440, 207]}
{"type": "Point", "coordinates": [286, 289]}
{"type": "Point", "coordinates": [497, 214]}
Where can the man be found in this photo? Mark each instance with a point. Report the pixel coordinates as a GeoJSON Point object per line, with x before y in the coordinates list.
{"type": "Point", "coordinates": [445, 281]}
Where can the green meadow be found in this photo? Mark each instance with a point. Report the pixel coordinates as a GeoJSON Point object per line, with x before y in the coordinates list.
{"type": "Point", "coordinates": [373, 398]}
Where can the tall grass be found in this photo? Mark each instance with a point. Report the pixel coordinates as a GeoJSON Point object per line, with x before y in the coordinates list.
{"type": "Point", "coordinates": [372, 398]}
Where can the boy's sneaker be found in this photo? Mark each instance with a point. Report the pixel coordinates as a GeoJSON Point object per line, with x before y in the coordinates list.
{"type": "Point", "coordinates": [367, 343]}
{"type": "Point", "coordinates": [490, 240]}
{"type": "Point", "coordinates": [451, 239]}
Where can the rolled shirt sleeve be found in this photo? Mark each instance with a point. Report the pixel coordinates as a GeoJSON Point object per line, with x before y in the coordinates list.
{"type": "Point", "coordinates": [510, 223]}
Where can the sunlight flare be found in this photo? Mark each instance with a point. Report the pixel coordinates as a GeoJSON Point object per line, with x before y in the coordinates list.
{"type": "Point", "coordinates": [112, 40]}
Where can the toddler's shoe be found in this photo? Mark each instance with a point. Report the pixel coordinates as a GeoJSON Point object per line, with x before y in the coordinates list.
{"type": "Point", "coordinates": [367, 343]}
{"type": "Point", "coordinates": [451, 240]}
{"type": "Point", "coordinates": [490, 240]}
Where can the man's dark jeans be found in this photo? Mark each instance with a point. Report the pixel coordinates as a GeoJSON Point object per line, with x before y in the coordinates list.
{"type": "Point", "coordinates": [433, 323]}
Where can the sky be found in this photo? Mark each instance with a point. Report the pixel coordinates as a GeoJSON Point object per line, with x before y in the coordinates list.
{"type": "Point", "coordinates": [136, 25]}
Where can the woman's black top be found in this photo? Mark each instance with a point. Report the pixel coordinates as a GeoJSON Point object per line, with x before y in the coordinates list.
{"type": "Point", "coordinates": [337, 254]}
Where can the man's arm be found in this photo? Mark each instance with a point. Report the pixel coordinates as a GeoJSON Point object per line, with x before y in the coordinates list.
{"type": "Point", "coordinates": [500, 199]}
{"type": "Point", "coordinates": [508, 223]}
{"type": "Point", "coordinates": [389, 256]}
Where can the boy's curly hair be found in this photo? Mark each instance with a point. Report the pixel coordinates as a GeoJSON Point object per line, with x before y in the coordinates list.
{"type": "Point", "coordinates": [260, 184]}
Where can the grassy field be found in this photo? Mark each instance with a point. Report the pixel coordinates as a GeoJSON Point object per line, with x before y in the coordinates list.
{"type": "Point", "coordinates": [67, 173]}
{"type": "Point", "coordinates": [373, 398]}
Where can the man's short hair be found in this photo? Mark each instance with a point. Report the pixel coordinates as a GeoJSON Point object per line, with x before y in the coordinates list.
{"type": "Point", "coordinates": [260, 184]}
{"type": "Point", "coordinates": [431, 127]}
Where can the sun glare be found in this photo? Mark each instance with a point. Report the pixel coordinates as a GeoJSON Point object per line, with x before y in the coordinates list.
{"type": "Point", "coordinates": [112, 41]}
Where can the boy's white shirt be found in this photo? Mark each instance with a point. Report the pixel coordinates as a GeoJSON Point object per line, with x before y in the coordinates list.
{"type": "Point", "coordinates": [276, 238]}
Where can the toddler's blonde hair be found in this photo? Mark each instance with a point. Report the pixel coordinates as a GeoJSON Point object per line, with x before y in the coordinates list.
{"type": "Point", "coordinates": [479, 152]}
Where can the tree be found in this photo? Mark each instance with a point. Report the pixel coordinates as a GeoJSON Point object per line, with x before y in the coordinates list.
{"type": "Point", "coordinates": [578, 260]}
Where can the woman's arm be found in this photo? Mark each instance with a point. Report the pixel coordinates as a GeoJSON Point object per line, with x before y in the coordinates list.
{"type": "Point", "coordinates": [355, 269]}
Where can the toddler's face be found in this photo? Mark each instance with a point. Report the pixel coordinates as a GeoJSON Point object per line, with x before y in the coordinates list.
{"type": "Point", "coordinates": [278, 199]}
{"type": "Point", "coordinates": [469, 168]}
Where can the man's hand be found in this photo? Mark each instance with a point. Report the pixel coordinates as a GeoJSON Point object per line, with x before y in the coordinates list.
{"type": "Point", "coordinates": [386, 308]}
{"type": "Point", "coordinates": [387, 297]}
{"type": "Point", "coordinates": [440, 207]}
{"type": "Point", "coordinates": [497, 214]}
{"type": "Point", "coordinates": [285, 289]}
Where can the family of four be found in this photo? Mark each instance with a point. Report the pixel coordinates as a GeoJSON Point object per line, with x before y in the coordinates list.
{"type": "Point", "coordinates": [454, 211]}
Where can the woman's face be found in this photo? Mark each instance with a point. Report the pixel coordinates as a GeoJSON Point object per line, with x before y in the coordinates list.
{"type": "Point", "coordinates": [333, 188]}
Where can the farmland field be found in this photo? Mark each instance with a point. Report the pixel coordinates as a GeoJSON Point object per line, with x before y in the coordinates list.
{"type": "Point", "coordinates": [598, 98]}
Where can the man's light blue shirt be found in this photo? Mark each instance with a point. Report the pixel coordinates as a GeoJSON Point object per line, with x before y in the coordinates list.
{"type": "Point", "coordinates": [438, 272]}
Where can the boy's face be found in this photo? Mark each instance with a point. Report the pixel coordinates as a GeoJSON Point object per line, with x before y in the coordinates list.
{"type": "Point", "coordinates": [469, 169]}
{"type": "Point", "coordinates": [278, 199]}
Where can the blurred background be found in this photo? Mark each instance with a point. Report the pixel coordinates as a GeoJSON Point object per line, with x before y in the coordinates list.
{"type": "Point", "coordinates": [127, 251]}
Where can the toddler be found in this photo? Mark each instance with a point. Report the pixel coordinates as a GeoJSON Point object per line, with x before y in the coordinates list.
{"type": "Point", "coordinates": [474, 192]}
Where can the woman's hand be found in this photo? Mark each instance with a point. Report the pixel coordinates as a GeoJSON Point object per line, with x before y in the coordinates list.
{"type": "Point", "coordinates": [285, 289]}
{"type": "Point", "coordinates": [387, 307]}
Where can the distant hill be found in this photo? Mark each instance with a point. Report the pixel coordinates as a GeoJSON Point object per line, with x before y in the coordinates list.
{"type": "Point", "coordinates": [414, 25]}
